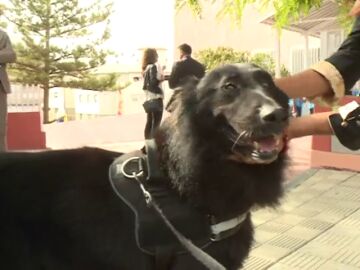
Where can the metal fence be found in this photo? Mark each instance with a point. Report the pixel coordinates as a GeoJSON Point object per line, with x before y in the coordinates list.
{"type": "Point", "coordinates": [298, 59]}
{"type": "Point", "coordinates": [24, 98]}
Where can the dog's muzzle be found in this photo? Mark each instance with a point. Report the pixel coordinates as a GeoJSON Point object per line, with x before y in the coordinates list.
{"type": "Point", "coordinates": [262, 143]}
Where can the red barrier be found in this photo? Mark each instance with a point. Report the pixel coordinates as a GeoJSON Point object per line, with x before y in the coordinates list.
{"type": "Point", "coordinates": [24, 131]}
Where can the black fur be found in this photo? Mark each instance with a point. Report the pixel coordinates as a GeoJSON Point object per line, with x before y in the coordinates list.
{"type": "Point", "coordinates": [58, 211]}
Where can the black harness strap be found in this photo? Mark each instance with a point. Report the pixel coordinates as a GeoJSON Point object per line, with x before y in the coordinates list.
{"type": "Point", "coordinates": [164, 257]}
{"type": "Point", "coordinates": [162, 227]}
{"type": "Point", "coordinates": [152, 162]}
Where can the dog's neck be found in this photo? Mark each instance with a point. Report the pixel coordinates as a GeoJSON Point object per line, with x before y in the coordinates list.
{"type": "Point", "coordinates": [199, 173]}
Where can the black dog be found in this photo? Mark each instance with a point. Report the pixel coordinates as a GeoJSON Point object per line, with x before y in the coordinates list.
{"type": "Point", "coordinates": [220, 150]}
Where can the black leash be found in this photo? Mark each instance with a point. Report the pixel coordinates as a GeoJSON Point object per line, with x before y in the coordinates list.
{"type": "Point", "coordinates": [154, 174]}
{"type": "Point", "coordinates": [198, 253]}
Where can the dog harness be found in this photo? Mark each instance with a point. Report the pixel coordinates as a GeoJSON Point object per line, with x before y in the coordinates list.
{"type": "Point", "coordinates": [137, 179]}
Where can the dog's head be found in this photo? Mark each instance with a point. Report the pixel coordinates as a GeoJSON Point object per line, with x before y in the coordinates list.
{"type": "Point", "coordinates": [250, 112]}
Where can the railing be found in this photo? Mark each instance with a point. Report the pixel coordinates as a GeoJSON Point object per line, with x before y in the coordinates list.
{"type": "Point", "coordinates": [298, 59]}
{"type": "Point", "coordinates": [25, 98]}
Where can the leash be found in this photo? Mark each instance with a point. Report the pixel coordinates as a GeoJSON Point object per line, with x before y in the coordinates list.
{"type": "Point", "coordinates": [140, 183]}
{"type": "Point", "coordinates": [153, 173]}
{"type": "Point", "coordinates": [198, 253]}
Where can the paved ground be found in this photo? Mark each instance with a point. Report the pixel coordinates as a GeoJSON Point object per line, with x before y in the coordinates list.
{"type": "Point", "coordinates": [317, 225]}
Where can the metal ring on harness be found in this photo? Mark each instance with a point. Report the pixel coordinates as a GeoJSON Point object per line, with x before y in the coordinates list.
{"type": "Point", "coordinates": [134, 174]}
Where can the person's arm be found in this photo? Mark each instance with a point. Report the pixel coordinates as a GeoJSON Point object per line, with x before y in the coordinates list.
{"type": "Point", "coordinates": [7, 54]}
{"type": "Point", "coordinates": [308, 83]}
{"type": "Point", "coordinates": [314, 124]}
{"type": "Point", "coordinates": [174, 78]}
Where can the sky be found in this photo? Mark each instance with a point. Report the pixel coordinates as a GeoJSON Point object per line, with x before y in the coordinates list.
{"type": "Point", "coordinates": [142, 23]}
{"type": "Point", "coordinates": [138, 24]}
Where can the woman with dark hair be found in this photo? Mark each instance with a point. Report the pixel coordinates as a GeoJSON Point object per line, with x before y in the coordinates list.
{"type": "Point", "coordinates": [154, 95]}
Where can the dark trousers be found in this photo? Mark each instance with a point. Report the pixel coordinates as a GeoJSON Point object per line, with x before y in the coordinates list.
{"type": "Point", "coordinates": [152, 123]}
{"type": "Point", "coordinates": [3, 118]}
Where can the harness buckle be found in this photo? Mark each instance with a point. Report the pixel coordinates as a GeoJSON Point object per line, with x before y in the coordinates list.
{"type": "Point", "coordinates": [146, 193]}
{"type": "Point", "coordinates": [134, 172]}
{"type": "Point", "coordinates": [132, 168]}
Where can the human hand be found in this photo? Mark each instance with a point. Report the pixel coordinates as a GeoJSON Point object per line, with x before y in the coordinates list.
{"type": "Point", "coordinates": [355, 10]}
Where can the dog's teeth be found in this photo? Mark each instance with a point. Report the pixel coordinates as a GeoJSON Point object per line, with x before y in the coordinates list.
{"type": "Point", "coordinates": [277, 140]}
{"type": "Point", "coordinates": [256, 145]}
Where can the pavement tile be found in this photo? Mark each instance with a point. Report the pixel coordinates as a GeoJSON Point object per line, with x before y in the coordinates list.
{"type": "Point", "coordinates": [320, 251]}
{"type": "Point", "coordinates": [353, 181]}
{"type": "Point", "coordinates": [262, 237]}
{"type": "Point", "coordinates": [332, 265]}
{"type": "Point", "coordinates": [352, 223]}
{"type": "Point", "coordinates": [256, 263]}
{"type": "Point", "coordinates": [323, 186]}
{"type": "Point", "coordinates": [342, 193]}
{"type": "Point", "coordinates": [303, 233]}
{"type": "Point", "coordinates": [270, 252]}
{"type": "Point", "coordinates": [347, 256]}
{"type": "Point", "coordinates": [264, 215]}
{"type": "Point", "coordinates": [289, 205]}
{"type": "Point", "coordinates": [317, 226]}
{"type": "Point", "coordinates": [287, 241]}
{"type": "Point", "coordinates": [334, 238]}
{"type": "Point", "coordinates": [288, 218]}
{"type": "Point", "coordinates": [300, 260]}
{"type": "Point", "coordinates": [355, 244]}
{"type": "Point", "coordinates": [274, 227]}
{"type": "Point", "coordinates": [305, 211]}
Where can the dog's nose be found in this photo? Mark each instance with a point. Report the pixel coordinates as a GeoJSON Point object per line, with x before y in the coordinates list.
{"type": "Point", "coordinates": [277, 115]}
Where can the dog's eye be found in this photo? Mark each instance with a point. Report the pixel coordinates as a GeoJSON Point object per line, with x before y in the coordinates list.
{"type": "Point", "coordinates": [229, 86]}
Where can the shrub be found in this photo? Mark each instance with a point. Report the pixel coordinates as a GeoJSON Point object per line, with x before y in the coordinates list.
{"type": "Point", "coordinates": [212, 58]}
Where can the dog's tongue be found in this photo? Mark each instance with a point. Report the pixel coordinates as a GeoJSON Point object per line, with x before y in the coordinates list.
{"type": "Point", "coordinates": [267, 144]}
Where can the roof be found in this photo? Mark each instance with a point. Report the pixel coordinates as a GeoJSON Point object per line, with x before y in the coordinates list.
{"type": "Point", "coordinates": [318, 19]}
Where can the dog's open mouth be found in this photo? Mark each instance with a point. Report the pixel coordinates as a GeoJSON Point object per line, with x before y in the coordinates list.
{"type": "Point", "coordinates": [252, 149]}
{"type": "Point", "coordinates": [267, 148]}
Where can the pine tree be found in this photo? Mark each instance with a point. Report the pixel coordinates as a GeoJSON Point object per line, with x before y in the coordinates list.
{"type": "Point", "coordinates": [59, 46]}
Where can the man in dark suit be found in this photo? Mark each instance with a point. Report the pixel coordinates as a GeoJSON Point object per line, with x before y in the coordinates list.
{"type": "Point", "coordinates": [7, 55]}
{"type": "Point", "coordinates": [186, 67]}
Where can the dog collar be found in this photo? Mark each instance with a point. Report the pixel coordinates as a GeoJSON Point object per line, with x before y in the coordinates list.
{"type": "Point", "coordinates": [224, 229]}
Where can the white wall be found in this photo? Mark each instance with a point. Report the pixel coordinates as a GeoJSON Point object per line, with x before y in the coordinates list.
{"type": "Point", "coordinates": [210, 32]}
{"type": "Point", "coordinates": [132, 97]}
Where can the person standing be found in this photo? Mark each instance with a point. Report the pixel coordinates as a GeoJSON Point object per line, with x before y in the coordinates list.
{"type": "Point", "coordinates": [182, 70]}
{"type": "Point", "coordinates": [186, 67]}
{"type": "Point", "coordinates": [7, 55]}
{"type": "Point", "coordinates": [154, 94]}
